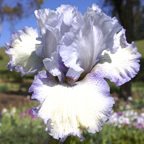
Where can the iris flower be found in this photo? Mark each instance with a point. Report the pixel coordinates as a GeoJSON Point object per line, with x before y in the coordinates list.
{"type": "Point", "coordinates": [72, 55]}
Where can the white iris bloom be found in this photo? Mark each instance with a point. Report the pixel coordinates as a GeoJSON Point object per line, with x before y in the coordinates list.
{"type": "Point", "coordinates": [77, 52]}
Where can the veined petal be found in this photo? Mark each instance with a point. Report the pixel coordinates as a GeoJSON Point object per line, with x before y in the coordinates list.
{"type": "Point", "coordinates": [38, 85]}
{"type": "Point", "coordinates": [95, 35]}
{"type": "Point", "coordinates": [109, 26]}
{"type": "Point", "coordinates": [69, 110]}
{"type": "Point", "coordinates": [52, 65]}
{"type": "Point", "coordinates": [22, 51]}
{"type": "Point", "coordinates": [121, 66]}
{"type": "Point", "coordinates": [49, 43]}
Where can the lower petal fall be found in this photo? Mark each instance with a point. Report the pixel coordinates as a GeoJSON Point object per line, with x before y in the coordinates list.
{"type": "Point", "coordinates": [68, 110]}
{"type": "Point", "coordinates": [121, 66]}
{"type": "Point", "coordinates": [22, 52]}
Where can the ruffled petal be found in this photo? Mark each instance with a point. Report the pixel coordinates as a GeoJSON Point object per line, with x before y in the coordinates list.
{"type": "Point", "coordinates": [49, 23]}
{"type": "Point", "coordinates": [67, 13]}
{"type": "Point", "coordinates": [70, 19]}
{"type": "Point", "coordinates": [69, 57]}
{"type": "Point", "coordinates": [121, 66]}
{"type": "Point", "coordinates": [70, 110]}
{"type": "Point", "coordinates": [109, 26]}
{"type": "Point", "coordinates": [46, 18]}
{"type": "Point", "coordinates": [84, 47]}
{"type": "Point", "coordinates": [22, 51]}
{"type": "Point", "coordinates": [53, 25]}
{"type": "Point", "coordinates": [62, 19]}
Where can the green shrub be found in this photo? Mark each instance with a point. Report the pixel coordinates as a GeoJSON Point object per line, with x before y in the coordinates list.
{"type": "Point", "coordinates": [15, 129]}
{"type": "Point", "coordinates": [21, 130]}
{"type": "Point", "coordinates": [3, 88]}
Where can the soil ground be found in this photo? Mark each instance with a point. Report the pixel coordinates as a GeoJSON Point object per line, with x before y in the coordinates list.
{"type": "Point", "coordinates": [13, 100]}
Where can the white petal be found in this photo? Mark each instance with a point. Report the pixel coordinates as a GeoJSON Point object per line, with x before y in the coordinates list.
{"type": "Point", "coordinates": [38, 86]}
{"type": "Point", "coordinates": [95, 35]}
{"type": "Point", "coordinates": [69, 110]}
{"type": "Point", "coordinates": [22, 51]}
{"type": "Point", "coordinates": [121, 66]}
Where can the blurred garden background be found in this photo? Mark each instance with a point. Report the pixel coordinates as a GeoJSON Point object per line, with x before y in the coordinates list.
{"type": "Point", "coordinates": [18, 126]}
